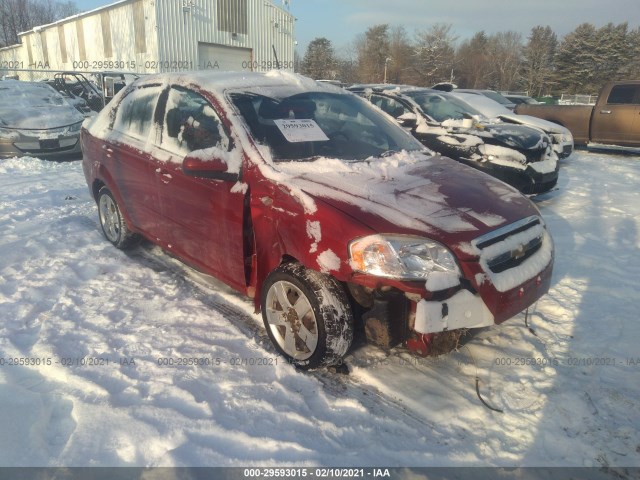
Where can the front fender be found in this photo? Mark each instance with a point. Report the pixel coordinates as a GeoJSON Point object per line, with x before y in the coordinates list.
{"type": "Point", "coordinates": [285, 229]}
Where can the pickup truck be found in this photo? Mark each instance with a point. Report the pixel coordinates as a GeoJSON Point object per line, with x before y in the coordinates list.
{"type": "Point", "coordinates": [613, 123]}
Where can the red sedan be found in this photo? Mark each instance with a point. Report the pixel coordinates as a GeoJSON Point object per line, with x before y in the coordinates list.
{"type": "Point", "coordinates": [317, 205]}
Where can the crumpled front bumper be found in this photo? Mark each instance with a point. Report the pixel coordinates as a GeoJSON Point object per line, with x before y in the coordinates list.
{"type": "Point", "coordinates": [462, 310]}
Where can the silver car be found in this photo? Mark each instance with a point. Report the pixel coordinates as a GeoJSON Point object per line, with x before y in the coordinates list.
{"type": "Point", "coordinates": [36, 120]}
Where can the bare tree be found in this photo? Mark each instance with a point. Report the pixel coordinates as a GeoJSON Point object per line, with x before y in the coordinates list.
{"type": "Point", "coordinates": [21, 15]}
{"type": "Point", "coordinates": [400, 56]}
{"type": "Point", "coordinates": [373, 53]}
{"type": "Point", "coordinates": [347, 63]}
{"type": "Point", "coordinates": [505, 52]}
{"type": "Point", "coordinates": [538, 62]}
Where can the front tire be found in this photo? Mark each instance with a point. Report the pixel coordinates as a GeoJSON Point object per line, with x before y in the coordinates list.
{"type": "Point", "coordinates": [112, 222]}
{"type": "Point", "coordinates": [307, 316]}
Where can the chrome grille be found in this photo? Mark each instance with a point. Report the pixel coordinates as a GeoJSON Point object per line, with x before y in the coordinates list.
{"type": "Point", "coordinates": [527, 236]}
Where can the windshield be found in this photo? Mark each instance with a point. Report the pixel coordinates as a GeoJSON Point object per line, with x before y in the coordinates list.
{"type": "Point", "coordinates": [497, 97]}
{"type": "Point", "coordinates": [483, 104]}
{"type": "Point", "coordinates": [442, 107]}
{"type": "Point", "coordinates": [309, 125]}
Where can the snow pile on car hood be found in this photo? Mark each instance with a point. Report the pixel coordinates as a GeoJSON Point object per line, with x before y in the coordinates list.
{"type": "Point", "coordinates": [425, 195]}
{"type": "Point", "coordinates": [39, 118]}
{"type": "Point", "coordinates": [35, 106]}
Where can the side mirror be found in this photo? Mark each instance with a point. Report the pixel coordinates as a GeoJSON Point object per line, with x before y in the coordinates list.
{"type": "Point", "coordinates": [196, 165]}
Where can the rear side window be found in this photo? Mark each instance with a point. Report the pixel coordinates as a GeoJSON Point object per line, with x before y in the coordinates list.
{"type": "Point", "coordinates": [191, 123]}
{"type": "Point", "coordinates": [389, 105]}
{"type": "Point", "coordinates": [135, 112]}
{"type": "Point", "coordinates": [624, 95]}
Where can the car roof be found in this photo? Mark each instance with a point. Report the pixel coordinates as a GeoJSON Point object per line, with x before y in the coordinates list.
{"type": "Point", "coordinates": [379, 87]}
{"type": "Point", "coordinates": [219, 82]}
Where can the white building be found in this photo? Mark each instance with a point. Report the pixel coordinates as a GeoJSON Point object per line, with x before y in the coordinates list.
{"type": "Point", "coordinates": [147, 36]}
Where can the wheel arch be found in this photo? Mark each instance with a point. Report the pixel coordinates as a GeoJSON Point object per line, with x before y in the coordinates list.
{"type": "Point", "coordinates": [105, 180]}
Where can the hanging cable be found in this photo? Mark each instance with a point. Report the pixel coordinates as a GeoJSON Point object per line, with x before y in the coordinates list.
{"type": "Point", "coordinates": [526, 322]}
{"type": "Point", "coordinates": [478, 384]}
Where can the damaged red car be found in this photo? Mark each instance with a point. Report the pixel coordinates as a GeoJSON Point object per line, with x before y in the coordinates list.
{"type": "Point", "coordinates": [311, 201]}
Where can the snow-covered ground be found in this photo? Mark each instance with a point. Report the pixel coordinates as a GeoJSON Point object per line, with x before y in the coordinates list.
{"type": "Point", "coordinates": [95, 325]}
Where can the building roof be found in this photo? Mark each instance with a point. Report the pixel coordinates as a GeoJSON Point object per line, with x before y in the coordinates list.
{"type": "Point", "coordinates": [103, 8]}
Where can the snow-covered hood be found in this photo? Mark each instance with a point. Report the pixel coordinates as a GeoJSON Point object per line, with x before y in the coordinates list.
{"type": "Point", "coordinates": [517, 136]}
{"type": "Point", "coordinates": [520, 137]}
{"type": "Point", "coordinates": [437, 197]}
{"type": "Point", "coordinates": [545, 125]}
{"type": "Point", "coordinates": [39, 118]}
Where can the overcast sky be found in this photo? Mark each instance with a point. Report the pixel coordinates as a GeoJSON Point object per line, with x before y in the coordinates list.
{"type": "Point", "coordinates": [341, 20]}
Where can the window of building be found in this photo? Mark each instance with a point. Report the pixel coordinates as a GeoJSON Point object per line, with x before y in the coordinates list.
{"type": "Point", "coordinates": [232, 16]}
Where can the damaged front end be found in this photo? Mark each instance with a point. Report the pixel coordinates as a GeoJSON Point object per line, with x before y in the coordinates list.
{"type": "Point", "coordinates": [509, 270]}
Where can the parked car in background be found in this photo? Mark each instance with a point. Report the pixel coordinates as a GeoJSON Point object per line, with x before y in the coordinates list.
{"type": "Point", "coordinates": [79, 88]}
{"type": "Point", "coordinates": [92, 91]}
{"type": "Point", "coordinates": [519, 155]}
{"type": "Point", "coordinates": [316, 204]}
{"type": "Point", "coordinates": [77, 101]}
{"type": "Point", "coordinates": [561, 137]}
{"type": "Point", "coordinates": [492, 94]}
{"type": "Point", "coordinates": [36, 120]}
{"type": "Point", "coordinates": [518, 99]}
{"type": "Point", "coordinates": [613, 123]}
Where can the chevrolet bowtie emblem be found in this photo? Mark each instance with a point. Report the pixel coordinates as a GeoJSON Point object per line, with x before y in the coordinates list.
{"type": "Point", "coordinates": [518, 252]}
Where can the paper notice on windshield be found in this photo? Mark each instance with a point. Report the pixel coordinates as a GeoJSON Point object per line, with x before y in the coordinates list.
{"type": "Point", "coordinates": [296, 131]}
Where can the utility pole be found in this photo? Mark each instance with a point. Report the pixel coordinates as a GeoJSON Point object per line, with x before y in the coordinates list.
{"type": "Point", "coordinates": [386, 61]}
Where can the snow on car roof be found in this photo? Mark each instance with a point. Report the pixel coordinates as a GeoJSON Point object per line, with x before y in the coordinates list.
{"type": "Point", "coordinates": [219, 82]}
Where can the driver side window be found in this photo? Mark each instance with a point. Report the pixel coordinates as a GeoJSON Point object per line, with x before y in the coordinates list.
{"type": "Point", "coordinates": [191, 123]}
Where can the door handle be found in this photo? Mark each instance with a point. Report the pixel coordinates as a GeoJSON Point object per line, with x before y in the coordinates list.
{"type": "Point", "coordinates": [605, 112]}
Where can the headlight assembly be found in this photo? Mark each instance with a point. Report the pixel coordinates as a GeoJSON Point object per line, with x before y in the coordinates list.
{"type": "Point", "coordinates": [75, 128]}
{"type": "Point", "coordinates": [401, 257]}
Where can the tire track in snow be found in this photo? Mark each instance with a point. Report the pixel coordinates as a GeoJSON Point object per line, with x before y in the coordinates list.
{"type": "Point", "coordinates": [216, 296]}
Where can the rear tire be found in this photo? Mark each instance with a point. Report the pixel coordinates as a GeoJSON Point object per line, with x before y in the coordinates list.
{"type": "Point", "coordinates": [112, 222]}
{"type": "Point", "coordinates": [307, 316]}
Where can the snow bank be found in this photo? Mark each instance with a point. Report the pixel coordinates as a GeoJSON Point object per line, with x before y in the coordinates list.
{"type": "Point", "coordinates": [568, 393]}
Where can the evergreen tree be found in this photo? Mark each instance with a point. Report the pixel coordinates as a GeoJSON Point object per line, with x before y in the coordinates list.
{"type": "Point", "coordinates": [319, 60]}
{"type": "Point", "coordinates": [577, 60]}
{"type": "Point", "coordinates": [632, 69]}
{"type": "Point", "coordinates": [434, 55]}
{"type": "Point", "coordinates": [614, 49]}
